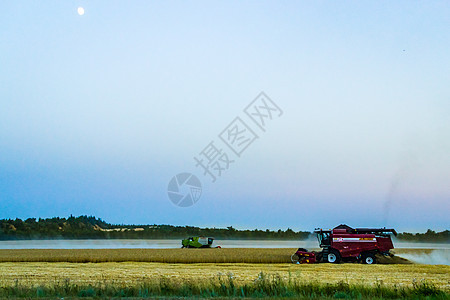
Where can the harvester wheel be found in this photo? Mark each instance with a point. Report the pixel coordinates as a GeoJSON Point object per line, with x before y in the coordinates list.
{"type": "Point", "coordinates": [334, 256]}
{"type": "Point", "coordinates": [368, 258]}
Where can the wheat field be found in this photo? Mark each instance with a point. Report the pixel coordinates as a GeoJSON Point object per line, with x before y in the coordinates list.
{"type": "Point", "coordinates": [30, 273]}
{"type": "Point", "coordinates": [214, 255]}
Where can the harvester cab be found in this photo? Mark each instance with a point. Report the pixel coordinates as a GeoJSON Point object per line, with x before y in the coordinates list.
{"type": "Point", "coordinates": [324, 237]}
{"type": "Point", "coordinates": [344, 243]}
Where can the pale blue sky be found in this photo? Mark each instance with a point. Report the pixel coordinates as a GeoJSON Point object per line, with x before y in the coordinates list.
{"type": "Point", "coordinates": [98, 112]}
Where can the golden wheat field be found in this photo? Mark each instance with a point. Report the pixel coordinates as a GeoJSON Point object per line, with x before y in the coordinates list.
{"type": "Point", "coordinates": [129, 273]}
{"type": "Point", "coordinates": [125, 267]}
{"type": "Point", "coordinates": [215, 255]}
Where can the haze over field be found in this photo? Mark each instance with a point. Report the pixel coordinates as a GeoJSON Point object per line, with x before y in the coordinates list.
{"type": "Point", "coordinates": [98, 111]}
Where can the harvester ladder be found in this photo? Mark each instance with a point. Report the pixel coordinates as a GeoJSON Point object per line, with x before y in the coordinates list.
{"type": "Point", "coordinates": [325, 252]}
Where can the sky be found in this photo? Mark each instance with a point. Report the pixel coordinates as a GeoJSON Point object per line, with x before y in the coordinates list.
{"type": "Point", "coordinates": [99, 111]}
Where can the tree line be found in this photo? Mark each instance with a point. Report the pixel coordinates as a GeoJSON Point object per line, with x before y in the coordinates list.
{"type": "Point", "coordinates": [90, 227]}
{"type": "Point", "coordinates": [429, 236]}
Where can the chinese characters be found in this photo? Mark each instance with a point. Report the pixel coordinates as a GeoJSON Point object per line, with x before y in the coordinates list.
{"type": "Point", "coordinates": [237, 137]}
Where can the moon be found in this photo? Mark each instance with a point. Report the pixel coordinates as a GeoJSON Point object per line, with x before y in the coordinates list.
{"type": "Point", "coordinates": [80, 11]}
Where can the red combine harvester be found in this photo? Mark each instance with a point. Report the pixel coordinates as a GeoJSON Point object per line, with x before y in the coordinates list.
{"type": "Point", "coordinates": [344, 243]}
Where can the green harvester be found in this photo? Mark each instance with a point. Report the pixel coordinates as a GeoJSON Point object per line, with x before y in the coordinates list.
{"type": "Point", "coordinates": [197, 242]}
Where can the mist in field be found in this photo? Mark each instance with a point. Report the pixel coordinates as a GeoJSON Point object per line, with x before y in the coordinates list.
{"type": "Point", "coordinates": [436, 257]}
{"type": "Point", "coordinates": [310, 243]}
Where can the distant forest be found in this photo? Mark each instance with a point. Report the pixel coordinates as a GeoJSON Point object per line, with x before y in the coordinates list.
{"type": "Point", "coordinates": [89, 227]}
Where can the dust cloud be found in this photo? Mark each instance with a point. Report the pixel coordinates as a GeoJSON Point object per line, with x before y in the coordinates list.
{"type": "Point", "coordinates": [435, 257]}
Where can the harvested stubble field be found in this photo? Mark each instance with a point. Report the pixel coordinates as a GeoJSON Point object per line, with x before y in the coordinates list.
{"type": "Point", "coordinates": [150, 280]}
{"type": "Point", "coordinates": [215, 255]}
{"type": "Point", "coordinates": [129, 273]}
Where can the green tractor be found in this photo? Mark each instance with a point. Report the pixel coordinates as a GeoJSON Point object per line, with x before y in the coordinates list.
{"type": "Point", "coordinates": [197, 242]}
